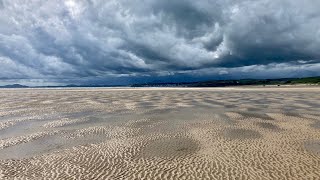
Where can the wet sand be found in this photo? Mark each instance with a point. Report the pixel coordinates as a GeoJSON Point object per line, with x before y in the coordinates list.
{"type": "Point", "coordinates": [160, 133]}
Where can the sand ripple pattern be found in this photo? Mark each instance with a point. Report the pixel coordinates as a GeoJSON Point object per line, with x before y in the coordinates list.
{"type": "Point", "coordinates": [62, 122]}
{"type": "Point", "coordinates": [107, 132]}
{"type": "Point", "coordinates": [24, 139]}
{"type": "Point", "coordinates": [6, 124]}
{"type": "Point", "coordinates": [160, 133]}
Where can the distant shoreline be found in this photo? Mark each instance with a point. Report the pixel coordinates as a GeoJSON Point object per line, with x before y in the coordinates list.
{"type": "Point", "coordinates": [308, 81]}
{"type": "Point", "coordinates": [287, 88]}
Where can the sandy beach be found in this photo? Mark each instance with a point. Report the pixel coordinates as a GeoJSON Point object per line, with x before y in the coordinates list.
{"type": "Point", "coordinates": [160, 133]}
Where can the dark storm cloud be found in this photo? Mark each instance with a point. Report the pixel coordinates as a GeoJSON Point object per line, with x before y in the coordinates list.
{"type": "Point", "coordinates": [94, 40]}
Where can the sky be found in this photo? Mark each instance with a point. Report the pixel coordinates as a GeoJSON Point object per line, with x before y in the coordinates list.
{"type": "Point", "coordinates": [59, 42]}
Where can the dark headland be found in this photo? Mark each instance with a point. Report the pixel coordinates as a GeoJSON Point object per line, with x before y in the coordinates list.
{"type": "Point", "coordinates": [239, 82]}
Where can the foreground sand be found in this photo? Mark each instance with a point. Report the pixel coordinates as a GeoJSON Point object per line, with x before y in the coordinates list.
{"type": "Point", "coordinates": [160, 133]}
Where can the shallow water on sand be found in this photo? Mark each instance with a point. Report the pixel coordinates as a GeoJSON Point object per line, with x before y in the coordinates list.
{"type": "Point", "coordinates": [160, 133]}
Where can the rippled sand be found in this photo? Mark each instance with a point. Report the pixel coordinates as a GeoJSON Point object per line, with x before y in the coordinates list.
{"type": "Point", "coordinates": [160, 133]}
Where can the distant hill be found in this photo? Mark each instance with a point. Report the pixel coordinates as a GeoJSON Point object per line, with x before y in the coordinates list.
{"type": "Point", "coordinates": [240, 82]}
{"type": "Point", "coordinates": [66, 86]}
{"type": "Point", "coordinates": [80, 86]}
{"type": "Point", "coordinates": [14, 86]}
{"type": "Point", "coordinates": [212, 83]}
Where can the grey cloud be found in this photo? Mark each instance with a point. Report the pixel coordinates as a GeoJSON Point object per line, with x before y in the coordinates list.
{"type": "Point", "coordinates": [263, 32]}
{"type": "Point", "coordinates": [68, 40]}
